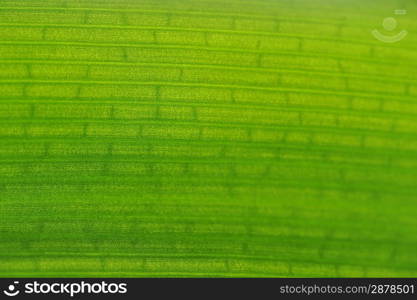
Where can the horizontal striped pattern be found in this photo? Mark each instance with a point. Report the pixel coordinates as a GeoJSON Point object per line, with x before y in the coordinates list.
{"type": "Point", "coordinates": [197, 138]}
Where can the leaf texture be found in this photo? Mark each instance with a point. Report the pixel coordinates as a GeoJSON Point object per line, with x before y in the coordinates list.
{"type": "Point", "coordinates": [197, 138]}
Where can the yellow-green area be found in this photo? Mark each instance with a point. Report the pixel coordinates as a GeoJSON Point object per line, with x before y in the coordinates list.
{"type": "Point", "coordinates": [199, 138]}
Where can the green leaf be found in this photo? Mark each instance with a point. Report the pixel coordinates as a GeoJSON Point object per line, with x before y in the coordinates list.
{"type": "Point", "coordinates": [200, 138]}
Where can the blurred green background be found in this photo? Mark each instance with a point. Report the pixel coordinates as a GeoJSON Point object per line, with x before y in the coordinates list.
{"type": "Point", "coordinates": [197, 138]}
